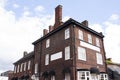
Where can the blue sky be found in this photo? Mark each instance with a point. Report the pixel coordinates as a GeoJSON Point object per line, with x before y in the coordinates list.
{"type": "Point", "coordinates": [22, 21]}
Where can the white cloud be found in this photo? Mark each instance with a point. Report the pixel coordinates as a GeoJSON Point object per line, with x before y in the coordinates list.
{"type": "Point", "coordinates": [39, 8]}
{"type": "Point", "coordinates": [114, 17]}
{"type": "Point", "coordinates": [16, 6]}
{"type": "Point", "coordinates": [2, 3]}
{"type": "Point", "coordinates": [96, 27]}
{"type": "Point", "coordinates": [111, 31]}
{"type": "Point", "coordinates": [17, 35]}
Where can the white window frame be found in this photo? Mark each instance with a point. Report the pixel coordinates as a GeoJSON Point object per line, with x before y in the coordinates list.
{"type": "Point", "coordinates": [85, 76]}
{"type": "Point", "coordinates": [36, 68]}
{"type": "Point", "coordinates": [46, 59]}
{"type": "Point", "coordinates": [80, 34]}
{"type": "Point", "coordinates": [18, 68]}
{"type": "Point", "coordinates": [29, 64]}
{"type": "Point", "coordinates": [21, 67]}
{"type": "Point", "coordinates": [89, 38]}
{"type": "Point", "coordinates": [82, 53]}
{"type": "Point", "coordinates": [52, 77]}
{"type": "Point", "coordinates": [67, 33]}
{"type": "Point", "coordinates": [67, 76]}
{"type": "Point", "coordinates": [99, 58]}
{"type": "Point", "coordinates": [97, 42]}
{"type": "Point", "coordinates": [25, 66]}
{"type": "Point", "coordinates": [15, 69]}
{"type": "Point", "coordinates": [67, 52]}
{"type": "Point", "coordinates": [47, 43]}
{"type": "Point", "coordinates": [103, 76]}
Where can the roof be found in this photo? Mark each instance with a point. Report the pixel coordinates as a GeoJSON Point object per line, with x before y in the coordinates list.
{"type": "Point", "coordinates": [115, 68]}
{"type": "Point", "coordinates": [30, 55]}
{"type": "Point", "coordinates": [68, 22]}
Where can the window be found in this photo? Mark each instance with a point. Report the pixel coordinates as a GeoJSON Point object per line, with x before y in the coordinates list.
{"type": "Point", "coordinates": [18, 68]}
{"type": "Point", "coordinates": [25, 66]}
{"type": "Point", "coordinates": [99, 58]}
{"type": "Point", "coordinates": [103, 77]}
{"type": "Point", "coordinates": [21, 67]}
{"type": "Point", "coordinates": [89, 38]}
{"type": "Point", "coordinates": [80, 33]}
{"type": "Point", "coordinates": [15, 69]}
{"type": "Point", "coordinates": [83, 75]}
{"type": "Point", "coordinates": [97, 42]}
{"type": "Point", "coordinates": [46, 59]}
{"type": "Point", "coordinates": [67, 33]}
{"type": "Point", "coordinates": [81, 53]}
{"type": "Point", "coordinates": [47, 43]}
{"type": "Point", "coordinates": [67, 76]}
{"type": "Point", "coordinates": [53, 77]}
{"type": "Point", "coordinates": [67, 53]}
{"type": "Point", "coordinates": [29, 62]}
{"type": "Point", "coordinates": [36, 67]}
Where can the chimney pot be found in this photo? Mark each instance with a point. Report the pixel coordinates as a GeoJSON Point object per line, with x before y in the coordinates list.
{"type": "Point", "coordinates": [45, 31]}
{"type": "Point", "coordinates": [25, 53]}
{"type": "Point", "coordinates": [50, 28]}
{"type": "Point", "coordinates": [85, 23]}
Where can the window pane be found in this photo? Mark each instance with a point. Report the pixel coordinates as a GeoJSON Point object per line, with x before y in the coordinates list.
{"type": "Point", "coordinates": [80, 34]}
{"type": "Point", "coordinates": [47, 59]}
{"type": "Point", "coordinates": [67, 53]}
{"type": "Point", "coordinates": [29, 63]}
{"type": "Point", "coordinates": [89, 38]}
{"type": "Point", "coordinates": [99, 58]}
{"type": "Point", "coordinates": [36, 68]}
{"type": "Point", "coordinates": [81, 53]}
{"type": "Point", "coordinates": [47, 43]}
{"type": "Point", "coordinates": [67, 33]}
{"type": "Point", "coordinates": [97, 42]}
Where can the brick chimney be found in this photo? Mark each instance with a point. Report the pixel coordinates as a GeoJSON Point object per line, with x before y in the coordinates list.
{"type": "Point", "coordinates": [25, 53]}
{"type": "Point", "coordinates": [50, 28]}
{"type": "Point", "coordinates": [58, 16]}
{"type": "Point", "coordinates": [45, 31]}
{"type": "Point", "coordinates": [85, 23]}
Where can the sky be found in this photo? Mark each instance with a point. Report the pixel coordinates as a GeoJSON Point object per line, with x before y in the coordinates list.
{"type": "Point", "coordinates": [22, 22]}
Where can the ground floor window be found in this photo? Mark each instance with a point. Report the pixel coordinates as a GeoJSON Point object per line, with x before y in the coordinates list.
{"type": "Point", "coordinates": [53, 77]}
{"type": "Point", "coordinates": [103, 76]}
{"type": "Point", "coordinates": [67, 76]}
{"type": "Point", "coordinates": [83, 75]}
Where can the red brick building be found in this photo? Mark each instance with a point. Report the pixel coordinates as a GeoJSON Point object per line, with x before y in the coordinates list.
{"type": "Point", "coordinates": [68, 51]}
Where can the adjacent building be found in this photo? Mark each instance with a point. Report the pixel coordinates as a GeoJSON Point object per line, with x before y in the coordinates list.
{"type": "Point", "coordinates": [67, 51]}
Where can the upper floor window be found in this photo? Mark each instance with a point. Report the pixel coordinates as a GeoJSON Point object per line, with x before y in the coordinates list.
{"type": "Point", "coordinates": [89, 38]}
{"type": "Point", "coordinates": [67, 33]}
{"type": "Point", "coordinates": [80, 34]}
{"type": "Point", "coordinates": [46, 59]}
{"type": "Point", "coordinates": [47, 43]}
{"type": "Point", "coordinates": [81, 53]}
{"type": "Point", "coordinates": [52, 77]}
{"type": "Point", "coordinates": [29, 63]}
{"type": "Point", "coordinates": [83, 75]}
{"type": "Point", "coordinates": [18, 68]}
{"type": "Point", "coordinates": [36, 67]}
{"type": "Point", "coordinates": [25, 66]}
{"type": "Point", "coordinates": [21, 67]}
{"type": "Point", "coordinates": [67, 53]}
{"type": "Point", "coordinates": [99, 58]}
{"type": "Point", "coordinates": [97, 42]}
{"type": "Point", "coordinates": [15, 69]}
{"type": "Point", "coordinates": [67, 76]}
